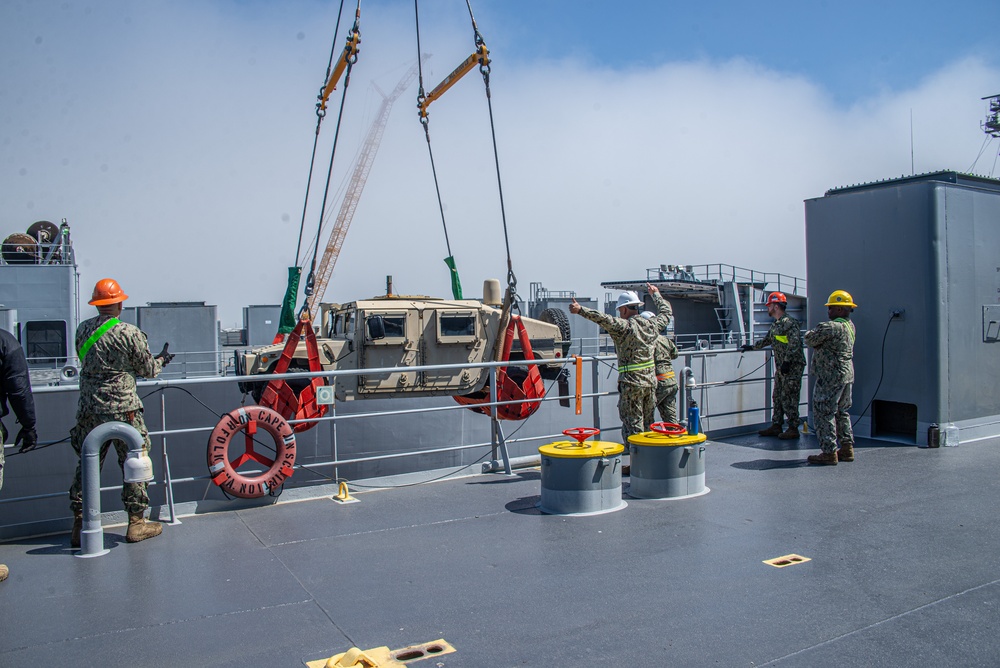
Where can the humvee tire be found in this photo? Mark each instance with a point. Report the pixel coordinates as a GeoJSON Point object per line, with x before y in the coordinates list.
{"type": "Point", "coordinates": [557, 317]}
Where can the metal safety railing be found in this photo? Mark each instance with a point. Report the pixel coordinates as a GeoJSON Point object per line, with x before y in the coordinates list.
{"type": "Point", "coordinates": [695, 379]}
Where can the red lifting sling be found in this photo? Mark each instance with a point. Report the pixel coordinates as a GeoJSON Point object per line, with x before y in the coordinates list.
{"type": "Point", "coordinates": [507, 388]}
{"type": "Point", "coordinates": [281, 398]}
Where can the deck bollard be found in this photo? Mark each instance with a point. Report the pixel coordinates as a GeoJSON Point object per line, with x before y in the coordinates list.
{"type": "Point", "coordinates": [92, 536]}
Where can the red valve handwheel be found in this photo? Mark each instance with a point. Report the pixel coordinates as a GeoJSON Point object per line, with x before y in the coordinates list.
{"type": "Point", "coordinates": [581, 434]}
{"type": "Point", "coordinates": [667, 428]}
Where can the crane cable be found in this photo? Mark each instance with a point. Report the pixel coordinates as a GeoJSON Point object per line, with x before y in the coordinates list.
{"type": "Point", "coordinates": [456, 285]}
{"type": "Point", "coordinates": [320, 115]}
{"type": "Point", "coordinates": [480, 56]}
{"type": "Point", "coordinates": [484, 69]}
{"type": "Point", "coordinates": [349, 58]}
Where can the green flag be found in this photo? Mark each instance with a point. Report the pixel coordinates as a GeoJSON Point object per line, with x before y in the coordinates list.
{"type": "Point", "coordinates": [456, 283]}
{"type": "Point", "coordinates": [287, 322]}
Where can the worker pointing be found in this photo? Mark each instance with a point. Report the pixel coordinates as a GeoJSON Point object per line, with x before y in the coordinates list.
{"type": "Point", "coordinates": [112, 353]}
{"type": "Point", "coordinates": [635, 339]}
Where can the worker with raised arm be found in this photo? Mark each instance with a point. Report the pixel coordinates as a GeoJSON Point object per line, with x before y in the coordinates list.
{"type": "Point", "coordinates": [833, 368]}
{"type": "Point", "coordinates": [664, 353]}
{"type": "Point", "coordinates": [785, 339]}
{"type": "Point", "coordinates": [635, 339]}
{"type": "Point", "coordinates": [112, 353]}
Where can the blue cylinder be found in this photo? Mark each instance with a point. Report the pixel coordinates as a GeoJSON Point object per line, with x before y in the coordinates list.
{"type": "Point", "coordinates": [694, 421]}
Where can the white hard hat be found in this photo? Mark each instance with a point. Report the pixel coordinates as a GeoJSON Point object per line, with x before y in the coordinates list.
{"type": "Point", "coordinates": [628, 298]}
{"type": "Point", "coordinates": [647, 314]}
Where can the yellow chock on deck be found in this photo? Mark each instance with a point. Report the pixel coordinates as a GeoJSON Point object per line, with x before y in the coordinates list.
{"type": "Point", "coordinates": [344, 495]}
{"type": "Point", "coordinates": [383, 657]}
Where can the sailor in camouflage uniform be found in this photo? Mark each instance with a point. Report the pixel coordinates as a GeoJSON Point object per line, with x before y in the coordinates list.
{"type": "Point", "coordinates": [15, 387]}
{"type": "Point", "coordinates": [634, 339]}
{"type": "Point", "coordinates": [833, 368]}
{"type": "Point", "coordinates": [785, 339]}
{"type": "Point", "coordinates": [664, 351]}
{"type": "Point", "coordinates": [112, 353]}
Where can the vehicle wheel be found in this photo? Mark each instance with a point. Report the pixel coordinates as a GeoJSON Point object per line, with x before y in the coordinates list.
{"type": "Point", "coordinates": [557, 317]}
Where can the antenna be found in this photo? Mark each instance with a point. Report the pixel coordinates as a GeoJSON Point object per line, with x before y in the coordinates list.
{"type": "Point", "coordinates": [912, 170]}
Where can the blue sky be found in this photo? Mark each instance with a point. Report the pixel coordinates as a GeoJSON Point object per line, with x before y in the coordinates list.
{"type": "Point", "coordinates": [175, 136]}
{"type": "Point", "coordinates": [853, 49]}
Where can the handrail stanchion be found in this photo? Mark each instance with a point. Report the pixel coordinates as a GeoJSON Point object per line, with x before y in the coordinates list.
{"type": "Point", "coordinates": [168, 483]}
{"type": "Point", "coordinates": [92, 536]}
{"type": "Point", "coordinates": [595, 380]}
{"type": "Point", "coordinates": [498, 438]}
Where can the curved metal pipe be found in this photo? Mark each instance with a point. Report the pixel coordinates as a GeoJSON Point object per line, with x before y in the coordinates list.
{"type": "Point", "coordinates": [687, 384]}
{"type": "Point", "coordinates": [92, 536]}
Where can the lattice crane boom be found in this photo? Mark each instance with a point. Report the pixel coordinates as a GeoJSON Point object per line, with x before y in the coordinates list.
{"type": "Point", "coordinates": [354, 189]}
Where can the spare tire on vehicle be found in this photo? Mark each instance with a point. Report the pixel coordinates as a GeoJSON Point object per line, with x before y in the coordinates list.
{"type": "Point", "coordinates": [559, 318]}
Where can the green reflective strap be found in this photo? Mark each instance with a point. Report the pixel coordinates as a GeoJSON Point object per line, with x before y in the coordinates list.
{"type": "Point", "coordinates": [89, 343]}
{"type": "Point", "coordinates": [850, 330]}
{"type": "Point", "coordinates": [636, 367]}
{"type": "Point", "coordinates": [781, 338]}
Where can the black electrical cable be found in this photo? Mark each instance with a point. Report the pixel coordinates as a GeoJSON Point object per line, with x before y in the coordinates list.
{"type": "Point", "coordinates": [881, 372]}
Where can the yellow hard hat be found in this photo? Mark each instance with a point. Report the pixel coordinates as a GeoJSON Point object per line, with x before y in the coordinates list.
{"type": "Point", "coordinates": [841, 298]}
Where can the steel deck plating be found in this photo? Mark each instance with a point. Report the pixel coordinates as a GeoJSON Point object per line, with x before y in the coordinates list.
{"type": "Point", "coordinates": [902, 571]}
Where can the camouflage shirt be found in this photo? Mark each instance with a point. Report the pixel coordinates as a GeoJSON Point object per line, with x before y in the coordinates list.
{"type": "Point", "coordinates": [785, 339]}
{"type": "Point", "coordinates": [664, 351]}
{"type": "Point", "coordinates": [634, 340]}
{"type": "Point", "coordinates": [109, 368]}
{"type": "Point", "coordinates": [833, 350]}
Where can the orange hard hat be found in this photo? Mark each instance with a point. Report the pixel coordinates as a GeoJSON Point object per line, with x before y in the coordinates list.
{"type": "Point", "coordinates": [107, 291]}
{"type": "Point", "coordinates": [777, 298]}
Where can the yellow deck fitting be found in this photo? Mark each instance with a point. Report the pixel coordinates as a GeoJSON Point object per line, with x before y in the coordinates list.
{"type": "Point", "coordinates": [665, 440]}
{"type": "Point", "coordinates": [383, 657]}
{"type": "Point", "coordinates": [787, 560]}
{"type": "Point", "coordinates": [344, 495]}
{"type": "Point", "coordinates": [587, 449]}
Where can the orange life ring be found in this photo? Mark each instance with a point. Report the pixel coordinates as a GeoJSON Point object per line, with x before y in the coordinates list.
{"type": "Point", "coordinates": [245, 420]}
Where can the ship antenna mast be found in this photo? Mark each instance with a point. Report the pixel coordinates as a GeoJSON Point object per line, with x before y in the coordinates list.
{"type": "Point", "coordinates": [991, 126]}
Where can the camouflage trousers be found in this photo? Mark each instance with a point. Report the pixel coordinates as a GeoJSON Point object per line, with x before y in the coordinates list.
{"type": "Point", "coordinates": [831, 401]}
{"type": "Point", "coordinates": [635, 408]}
{"type": "Point", "coordinates": [666, 402]}
{"type": "Point", "coordinates": [134, 496]}
{"type": "Point", "coordinates": [785, 397]}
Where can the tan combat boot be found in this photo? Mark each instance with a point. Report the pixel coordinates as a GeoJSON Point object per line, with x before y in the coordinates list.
{"type": "Point", "coordinates": [74, 539]}
{"type": "Point", "coordinates": [791, 433]}
{"type": "Point", "coordinates": [4, 572]}
{"type": "Point", "coordinates": [846, 453]}
{"type": "Point", "coordinates": [140, 529]}
{"type": "Point", "coordinates": [827, 458]}
{"type": "Point", "coordinates": [773, 430]}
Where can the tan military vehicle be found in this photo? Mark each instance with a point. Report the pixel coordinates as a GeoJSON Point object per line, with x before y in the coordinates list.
{"type": "Point", "coordinates": [397, 331]}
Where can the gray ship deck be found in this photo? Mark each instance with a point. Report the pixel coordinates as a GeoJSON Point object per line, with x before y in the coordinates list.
{"type": "Point", "coordinates": [903, 572]}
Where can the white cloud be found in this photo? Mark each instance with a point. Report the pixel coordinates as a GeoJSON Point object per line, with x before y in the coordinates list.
{"type": "Point", "coordinates": [176, 142]}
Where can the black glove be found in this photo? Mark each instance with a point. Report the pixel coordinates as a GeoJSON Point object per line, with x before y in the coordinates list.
{"type": "Point", "coordinates": [165, 355]}
{"type": "Point", "coordinates": [29, 438]}
{"type": "Point", "coordinates": [786, 367]}
{"type": "Point", "coordinates": [746, 348]}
